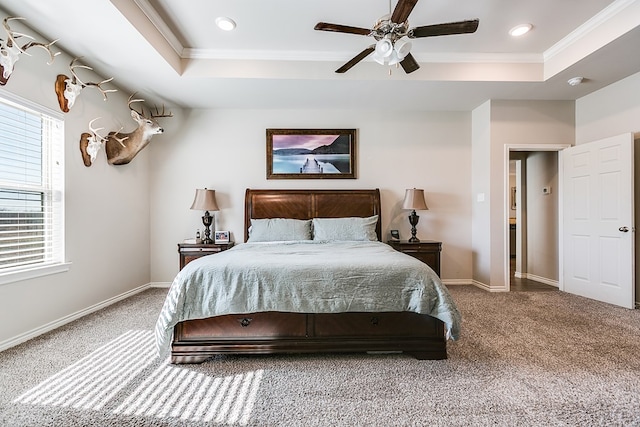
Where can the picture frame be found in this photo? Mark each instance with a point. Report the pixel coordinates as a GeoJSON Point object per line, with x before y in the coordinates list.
{"type": "Point", "coordinates": [311, 153]}
{"type": "Point", "coordinates": [221, 237]}
{"type": "Point", "coordinates": [513, 198]}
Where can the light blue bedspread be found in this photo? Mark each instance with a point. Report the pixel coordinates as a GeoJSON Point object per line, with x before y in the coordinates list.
{"type": "Point", "coordinates": [304, 277]}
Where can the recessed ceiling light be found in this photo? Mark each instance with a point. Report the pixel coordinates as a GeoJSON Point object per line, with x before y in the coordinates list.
{"type": "Point", "coordinates": [225, 23]}
{"type": "Point", "coordinates": [520, 30]}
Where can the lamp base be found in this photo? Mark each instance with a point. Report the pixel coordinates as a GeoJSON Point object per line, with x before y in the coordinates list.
{"type": "Point", "coordinates": [413, 220]}
{"type": "Point", "coordinates": [207, 220]}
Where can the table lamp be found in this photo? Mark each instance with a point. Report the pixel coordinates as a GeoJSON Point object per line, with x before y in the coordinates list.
{"type": "Point", "coordinates": [205, 200]}
{"type": "Point", "coordinates": [414, 200]}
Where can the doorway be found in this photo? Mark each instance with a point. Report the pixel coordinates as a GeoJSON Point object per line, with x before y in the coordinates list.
{"type": "Point", "coordinates": [532, 217]}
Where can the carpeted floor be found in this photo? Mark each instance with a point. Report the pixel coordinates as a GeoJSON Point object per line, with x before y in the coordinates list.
{"type": "Point", "coordinates": [524, 359]}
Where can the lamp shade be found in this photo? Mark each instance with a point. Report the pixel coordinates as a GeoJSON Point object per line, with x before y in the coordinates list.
{"type": "Point", "coordinates": [205, 200]}
{"type": "Point", "coordinates": [414, 199]}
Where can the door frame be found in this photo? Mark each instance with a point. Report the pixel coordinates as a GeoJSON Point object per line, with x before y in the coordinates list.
{"type": "Point", "coordinates": [507, 205]}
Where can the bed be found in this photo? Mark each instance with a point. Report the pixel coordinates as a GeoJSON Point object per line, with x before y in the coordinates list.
{"type": "Point", "coordinates": [257, 298]}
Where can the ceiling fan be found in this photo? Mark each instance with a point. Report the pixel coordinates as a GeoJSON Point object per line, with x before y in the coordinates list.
{"type": "Point", "coordinates": [392, 34]}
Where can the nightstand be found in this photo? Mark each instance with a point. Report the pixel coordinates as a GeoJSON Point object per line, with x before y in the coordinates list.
{"type": "Point", "coordinates": [190, 251]}
{"type": "Point", "coordinates": [427, 251]}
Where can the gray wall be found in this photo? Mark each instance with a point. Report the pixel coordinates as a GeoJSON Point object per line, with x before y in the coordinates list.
{"type": "Point", "coordinates": [106, 218]}
{"type": "Point", "coordinates": [501, 124]}
{"type": "Point", "coordinates": [542, 216]}
{"type": "Point", "coordinates": [225, 150]}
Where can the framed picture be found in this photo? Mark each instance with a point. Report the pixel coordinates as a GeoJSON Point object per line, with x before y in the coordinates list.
{"type": "Point", "coordinates": [221, 237]}
{"type": "Point", "coordinates": [311, 153]}
{"type": "Point", "coordinates": [513, 198]}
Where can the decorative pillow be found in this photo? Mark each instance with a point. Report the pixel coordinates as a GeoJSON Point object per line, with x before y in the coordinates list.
{"type": "Point", "coordinates": [279, 229]}
{"type": "Point", "coordinates": [345, 228]}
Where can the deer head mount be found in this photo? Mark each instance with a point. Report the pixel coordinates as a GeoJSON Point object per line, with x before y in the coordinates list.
{"type": "Point", "coordinates": [121, 148]}
{"type": "Point", "coordinates": [91, 142]}
{"type": "Point", "coordinates": [10, 50]}
{"type": "Point", "coordinates": [68, 88]}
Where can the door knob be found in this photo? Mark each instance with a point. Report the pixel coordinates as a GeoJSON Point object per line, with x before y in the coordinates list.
{"type": "Point", "coordinates": [623, 229]}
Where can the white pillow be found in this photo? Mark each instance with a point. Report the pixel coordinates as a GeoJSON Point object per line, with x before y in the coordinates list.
{"type": "Point", "coordinates": [279, 229]}
{"type": "Point", "coordinates": [356, 228]}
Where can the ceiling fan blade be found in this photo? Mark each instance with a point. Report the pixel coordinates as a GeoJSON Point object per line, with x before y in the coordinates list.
{"type": "Point", "coordinates": [359, 57]}
{"type": "Point", "coordinates": [409, 64]}
{"type": "Point", "coordinates": [462, 27]}
{"type": "Point", "coordinates": [402, 10]}
{"type": "Point", "coordinates": [323, 26]}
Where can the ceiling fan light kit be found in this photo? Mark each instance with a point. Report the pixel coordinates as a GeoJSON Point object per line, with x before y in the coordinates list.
{"type": "Point", "coordinates": [402, 47]}
{"type": "Point", "coordinates": [392, 34]}
{"type": "Point", "coordinates": [390, 53]}
{"type": "Point", "coordinates": [384, 48]}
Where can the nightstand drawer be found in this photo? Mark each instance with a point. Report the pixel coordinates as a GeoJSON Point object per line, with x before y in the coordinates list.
{"type": "Point", "coordinates": [432, 259]}
{"type": "Point", "coordinates": [427, 251]}
{"type": "Point", "coordinates": [190, 251]}
{"type": "Point", "coordinates": [203, 251]}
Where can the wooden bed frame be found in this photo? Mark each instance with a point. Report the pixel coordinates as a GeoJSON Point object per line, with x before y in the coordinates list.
{"type": "Point", "coordinates": [277, 332]}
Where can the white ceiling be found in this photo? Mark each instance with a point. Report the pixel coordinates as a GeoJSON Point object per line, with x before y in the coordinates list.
{"type": "Point", "coordinates": [171, 51]}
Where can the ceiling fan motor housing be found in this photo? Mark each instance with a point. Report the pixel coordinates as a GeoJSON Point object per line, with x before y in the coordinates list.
{"type": "Point", "coordinates": [384, 28]}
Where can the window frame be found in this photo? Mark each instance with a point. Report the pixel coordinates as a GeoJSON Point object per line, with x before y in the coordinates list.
{"type": "Point", "coordinates": [53, 189]}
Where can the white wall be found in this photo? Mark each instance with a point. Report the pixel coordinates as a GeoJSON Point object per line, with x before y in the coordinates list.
{"type": "Point", "coordinates": [225, 150]}
{"type": "Point", "coordinates": [107, 212]}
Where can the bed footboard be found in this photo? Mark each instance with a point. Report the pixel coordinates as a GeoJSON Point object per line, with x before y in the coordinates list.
{"type": "Point", "coordinates": [420, 335]}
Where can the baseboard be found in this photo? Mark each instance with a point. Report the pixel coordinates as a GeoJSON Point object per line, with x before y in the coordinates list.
{"type": "Point", "coordinates": [488, 288]}
{"type": "Point", "coordinates": [481, 285]}
{"type": "Point", "coordinates": [457, 282]}
{"type": "Point", "coordinates": [540, 279]}
{"type": "Point", "coordinates": [12, 342]}
{"type": "Point", "coordinates": [160, 285]}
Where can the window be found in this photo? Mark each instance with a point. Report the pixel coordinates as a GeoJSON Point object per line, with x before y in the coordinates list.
{"type": "Point", "coordinates": [31, 187]}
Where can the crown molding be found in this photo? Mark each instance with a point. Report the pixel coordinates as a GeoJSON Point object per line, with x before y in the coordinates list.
{"type": "Point", "coordinates": [588, 27]}
{"type": "Point", "coordinates": [262, 55]}
{"type": "Point", "coordinates": [162, 27]}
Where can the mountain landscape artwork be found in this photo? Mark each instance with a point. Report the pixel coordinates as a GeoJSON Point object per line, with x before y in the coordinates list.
{"type": "Point", "coordinates": [308, 154]}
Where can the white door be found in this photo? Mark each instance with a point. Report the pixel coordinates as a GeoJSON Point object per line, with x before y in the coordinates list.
{"type": "Point", "coordinates": [598, 236]}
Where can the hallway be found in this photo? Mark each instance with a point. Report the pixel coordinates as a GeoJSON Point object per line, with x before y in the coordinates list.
{"type": "Point", "coordinates": [526, 285]}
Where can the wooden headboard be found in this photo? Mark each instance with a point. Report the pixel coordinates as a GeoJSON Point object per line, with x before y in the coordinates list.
{"type": "Point", "coordinates": [308, 204]}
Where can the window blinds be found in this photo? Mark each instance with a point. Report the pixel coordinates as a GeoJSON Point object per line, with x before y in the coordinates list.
{"type": "Point", "coordinates": [31, 215]}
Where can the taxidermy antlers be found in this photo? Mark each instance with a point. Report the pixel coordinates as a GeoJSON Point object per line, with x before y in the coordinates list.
{"type": "Point", "coordinates": [10, 50]}
{"type": "Point", "coordinates": [121, 148]}
{"type": "Point", "coordinates": [68, 89]}
{"type": "Point", "coordinates": [92, 141]}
